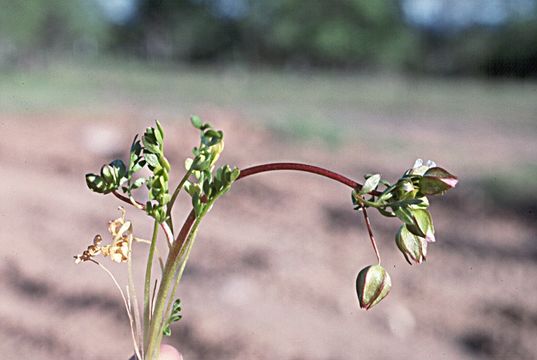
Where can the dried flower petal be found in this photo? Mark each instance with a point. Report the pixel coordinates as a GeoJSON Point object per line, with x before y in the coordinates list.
{"type": "Point", "coordinates": [118, 250]}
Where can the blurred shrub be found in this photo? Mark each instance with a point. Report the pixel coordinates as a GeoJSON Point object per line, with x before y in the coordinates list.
{"type": "Point", "coordinates": [357, 34]}
{"type": "Point", "coordinates": [316, 32]}
{"type": "Point", "coordinates": [33, 27]}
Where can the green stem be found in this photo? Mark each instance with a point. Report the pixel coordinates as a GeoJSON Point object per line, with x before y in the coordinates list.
{"type": "Point", "coordinates": [174, 197]}
{"type": "Point", "coordinates": [167, 277]}
{"type": "Point", "coordinates": [134, 301]}
{"type": "Point", "coordinates": [147, 284]}
{"type": "Point", "coordinates": [183, 256]}
{"type": "Point", "coordinates": [189, 243]}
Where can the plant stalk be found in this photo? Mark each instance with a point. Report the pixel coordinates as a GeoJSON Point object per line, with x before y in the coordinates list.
{"type": "Point", "coordinates": [174, 197]}
{"type": "Point", "coordinates": [304, 168]}
{"type": "Point", "coordinates": [170, 268]}
{"type": "Point", "coordinates": [147, 283]}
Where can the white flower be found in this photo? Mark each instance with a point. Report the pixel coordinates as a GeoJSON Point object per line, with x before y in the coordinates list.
{"type": "Point", "coordinates": [420, 168]}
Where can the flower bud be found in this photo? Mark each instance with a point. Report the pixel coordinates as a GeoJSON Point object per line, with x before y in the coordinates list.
{"type": "Point", "coordinates": [436, 181]}
{"type": "Point", "coordinates": [422, 225]}
{"type": "Point", "coordinates": [216, 150]}
{"type": "Point", "coordinates": [413, 247]}
{"type": "Point", "coordinates": [405, 189]}
{"type": "Point", "coordinates": [372, 284]}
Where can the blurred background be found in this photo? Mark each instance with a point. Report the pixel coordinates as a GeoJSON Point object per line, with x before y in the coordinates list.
{"type": "Point", "coordinates": [357, 86]}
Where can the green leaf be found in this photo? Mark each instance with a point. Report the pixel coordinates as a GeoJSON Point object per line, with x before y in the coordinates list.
{"type": "Point", "coordinates": [174, 316]}
{"type": "Point", "coordinates": [405, 203]}
{"type": "Point", "coordinates": [386, 212]}
{"type": "Point", "coordinates": [107, 173]}
{"type": "Point", "coordinates": [159, 133]}
{"type": "Point", "coordinates": [152, 160]}
{"type": "Point", "coordinates": [95, 183]}
{"type": "Point", "coordinates": [196, 203]}
{"type": "Point", "coordinates": [188, 163]}
{"type": "Point", "coordinates": [405, 215]}
{"type": "Point", "coordinates": [424, 204]}
{"type": "Point", "coordinates": [167, 331]}
{"type": "Point", "coordinates": [235, 174]}
{"type": "Point", "coordinates": [119, 165]}
{"type": "Point", "coordinates": [137, 183]}
{"type": "Point", "coordinates": [164, 163]}
{"type": "Point", "coordinates": [370, 184]}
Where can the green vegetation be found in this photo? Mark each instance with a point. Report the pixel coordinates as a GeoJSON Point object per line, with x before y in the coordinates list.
{"type": "Point", "coordinates": [359, 34]}
{"type": "Point", "coordinates": [335, 97]}
{"type": "Point", "coordinates": [406, 199]}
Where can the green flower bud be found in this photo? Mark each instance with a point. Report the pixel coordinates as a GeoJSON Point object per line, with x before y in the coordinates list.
{"type": "Point", "coordinates": [422, 224]}
{"type": "Point", "coordinates": [436, 181]}
{"type": "Point", "coordinates": [413, 247]}
{"type": "Point", "coordinates": [216, 150]}
{"type": "Point", "coordinates": [405, 189]}
{"type": "Point", "coordinates": [373, 283]}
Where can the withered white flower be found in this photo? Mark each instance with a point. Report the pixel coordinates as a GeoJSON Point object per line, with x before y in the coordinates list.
{"type": "Point", "coordinates": [118, 250]}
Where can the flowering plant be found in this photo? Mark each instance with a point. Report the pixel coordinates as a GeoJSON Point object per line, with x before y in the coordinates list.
{"type": "Point", "coordinates": [406, 199]}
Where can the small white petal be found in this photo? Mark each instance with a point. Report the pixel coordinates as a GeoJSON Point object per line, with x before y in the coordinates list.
{"type": "Point", "coordinates": [418, 163]}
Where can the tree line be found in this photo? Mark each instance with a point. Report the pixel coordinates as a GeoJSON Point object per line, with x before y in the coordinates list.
{"type": "Point", "coordinates": [360, 35]}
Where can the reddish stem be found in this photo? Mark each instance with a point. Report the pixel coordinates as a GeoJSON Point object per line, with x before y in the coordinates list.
{"type": "Point", "coordinates": [370, 231]}
{"type": "Point", "coordinates": [142, 206]}
{"type": "Point", "coordinates": [305, 168]}
{"type": "Point", "coordinates": [322, 172]}
{"type": "Point", "coordinates": [126, 199]}
{"type": "Point", "coordinates": [178, 243]}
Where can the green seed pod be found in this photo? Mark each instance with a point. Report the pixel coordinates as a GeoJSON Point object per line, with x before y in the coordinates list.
{"type": "Point", "coordinates": [413, 247]}
{"type": "Point", "coordinates": [373, 283]}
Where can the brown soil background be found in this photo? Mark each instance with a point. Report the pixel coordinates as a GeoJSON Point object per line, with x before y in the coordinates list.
{"type": "Point", "coordinates": [272, 274]}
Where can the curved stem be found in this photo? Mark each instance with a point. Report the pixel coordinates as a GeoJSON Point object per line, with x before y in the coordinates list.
{"type": "Point", "coordinates": [191, 223]}
{"type": "Point", "coordinates": [304, 168]}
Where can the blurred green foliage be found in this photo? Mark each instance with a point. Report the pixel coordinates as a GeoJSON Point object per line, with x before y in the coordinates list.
{"type": "Point", "coordinates": [34, 27]}
{"type": "Point", "coordinates": [357, 34]}
{"type": "Point", "coordinates": [317, 32]}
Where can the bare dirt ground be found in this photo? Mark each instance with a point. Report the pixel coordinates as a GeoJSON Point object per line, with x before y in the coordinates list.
{"type": "Point", "coordinates": [272, 274]}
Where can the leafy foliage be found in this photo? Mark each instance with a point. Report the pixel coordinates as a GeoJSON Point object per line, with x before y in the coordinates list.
{"type": "Point", "coordinates": [174, 317]}
{"type": "Point", "coordinates": [147, 152]}
{"type": "Point", "coordinates": [157, 183]}
{"type": "Point", "coordinates": [208, 184]}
